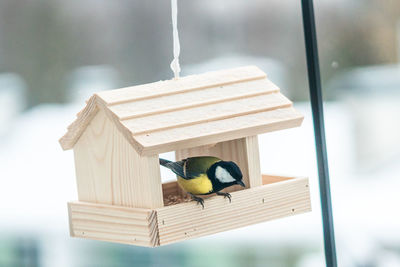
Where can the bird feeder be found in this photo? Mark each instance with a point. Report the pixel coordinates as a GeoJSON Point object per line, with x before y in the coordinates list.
{"type": "Point", "coordinates": [118, 136]}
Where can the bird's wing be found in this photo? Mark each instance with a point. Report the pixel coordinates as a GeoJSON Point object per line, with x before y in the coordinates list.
{"type": "Point", "coordinates": [176, 167]}
{"type": "Point", "coordinates": [190, 168]}
{"type": "Point", "coordinates": [195, 166]}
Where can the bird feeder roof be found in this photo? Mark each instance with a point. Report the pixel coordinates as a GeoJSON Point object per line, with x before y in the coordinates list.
{"type": "Point", "coordinates": [191, 111]}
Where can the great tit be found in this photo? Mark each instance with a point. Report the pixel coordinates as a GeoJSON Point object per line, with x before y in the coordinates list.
{"type": "Point", "coordinates": [205, 175]}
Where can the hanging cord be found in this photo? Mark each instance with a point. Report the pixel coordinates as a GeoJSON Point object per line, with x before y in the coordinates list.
{"type": "Point", "coordinates": [177, 48]}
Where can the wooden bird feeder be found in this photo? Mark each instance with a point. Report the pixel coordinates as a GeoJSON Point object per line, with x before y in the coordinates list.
{"type": "Point", "coordinates": [118, 136]}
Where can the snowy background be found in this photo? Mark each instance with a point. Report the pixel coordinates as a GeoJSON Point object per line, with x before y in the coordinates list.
{"type": "Point", "coordinates": [38, 179]}
{"type": "Point", "coordinates": [44, 80]}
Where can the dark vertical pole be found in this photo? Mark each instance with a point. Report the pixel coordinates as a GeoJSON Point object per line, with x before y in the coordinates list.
{"type": "Point", "coordinates": [314, 80]}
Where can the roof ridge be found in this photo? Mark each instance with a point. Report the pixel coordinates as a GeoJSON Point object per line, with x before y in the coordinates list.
{"type": "Point", "coordinates": [114, 118]}
{"type": "Point", "coordinates": [83, 118]}
{"type": "Point", "coordinates": [182, 85]}
{"type": "Point", "coordinates": [78, 126]}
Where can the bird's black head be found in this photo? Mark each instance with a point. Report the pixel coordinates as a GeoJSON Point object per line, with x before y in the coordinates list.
{"type": "Point", "coordinates": [226, 173]}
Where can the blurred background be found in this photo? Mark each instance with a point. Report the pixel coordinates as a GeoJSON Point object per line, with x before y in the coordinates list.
{"type": "Point", "coordinates": [54, 54]}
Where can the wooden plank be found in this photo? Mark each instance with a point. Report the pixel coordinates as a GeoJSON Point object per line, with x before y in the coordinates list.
{"type": "Point", "coordinates": [146, 186]}
{"type": "Point", "coordinates": [187, 220]}
{"type": "Point", "coordinates": [122, 129]}
{"type": "Point", "coordinates": [110, 171]}
{"type": "Point", "coordinates": [76, 129]}
{"type": "Point", "coordinates": [71, 231]}
{"type": "Point", "coordinates": [117, 211]}
{"type": "Point", "coordinates": [111, 219]}
{"type": "Point", "coordinates": [92, 154]}
{"type": "Point", "coordinates": [270, 179]}
{"type": "Point", "coordinates": [182, 85]}
{"type": "Point", "coordinates": [207, 113]}
{"type": "Point", "coordinates": [112, 210]}
{"type": "Point", "coordinates": [196, 98]}
{"type": "Point", "coordinates": [112, 227]}
{"type": "Point", "coordinates": [110, 236]}
{"type": "Point", "coordinates": [114, 224]}
{"type": "Point", "coordinates": [170, 188]}
{"type": "Point", "coordinates": [280, 197]}
{"type": "Point", "coordinates": [218, 131]}
{"type": "Point", "coordinates": [199, 99]}
{"type": "Point", "coordinates": [253, 161]}
{"type": "Point", "coordinates": [214, 216]}
{"type": "Point", "coordinates": [84, 117]}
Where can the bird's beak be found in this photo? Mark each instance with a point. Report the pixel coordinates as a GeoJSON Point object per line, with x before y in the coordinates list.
{"type": "Point", "coordinates": [241, 183]}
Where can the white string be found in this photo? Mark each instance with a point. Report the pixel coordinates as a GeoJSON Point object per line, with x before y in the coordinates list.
{"type": "Point", "coordinates": [177, 48]}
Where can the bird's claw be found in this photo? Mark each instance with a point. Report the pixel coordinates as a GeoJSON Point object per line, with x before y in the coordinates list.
{"type": "Point", "coordinates": [199, 200]}
{"type": "Point", "coordinates": [226, 195]}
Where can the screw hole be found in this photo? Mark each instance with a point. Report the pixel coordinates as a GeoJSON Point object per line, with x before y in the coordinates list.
{"type": "Point", "coordinates": [163, 222]}
{"type": "Point", "coordinates": [263, 200]}
{"type": "Point", "coordinates": [306, 185]}
{"type": "Point", "coordinates": [292, 210]}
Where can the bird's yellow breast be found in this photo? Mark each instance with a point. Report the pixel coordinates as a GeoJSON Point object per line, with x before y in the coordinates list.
{"type": "Point", "coordinates": [198, 186]}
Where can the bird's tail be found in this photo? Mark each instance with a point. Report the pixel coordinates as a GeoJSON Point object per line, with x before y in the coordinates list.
{"type": "Point", "coordinates": [164, 162]}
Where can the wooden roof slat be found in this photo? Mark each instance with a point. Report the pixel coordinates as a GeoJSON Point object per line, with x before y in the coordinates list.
{"type": "Point", "coordinates": [76, 128]}
{"type": "Point", "coordinates": [217, 131]}
{"type": "Point", "coordinates": [191, 111]}
{"type": "Point", "coordinates": [218, 94]}
{"type": "Point", "coordinates": [184, 84]}
{"type": "Point", "coordinates": [206, 113]}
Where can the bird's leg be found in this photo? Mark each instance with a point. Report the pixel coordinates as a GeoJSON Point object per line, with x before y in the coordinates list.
{"type": "Point", "coordinates": [226, 195]}
{"type": "Point", "coordinates": [197, 199]}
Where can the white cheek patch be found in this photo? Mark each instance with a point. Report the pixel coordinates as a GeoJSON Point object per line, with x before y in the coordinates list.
{"type": "Point", "coordinates": [223, 175]}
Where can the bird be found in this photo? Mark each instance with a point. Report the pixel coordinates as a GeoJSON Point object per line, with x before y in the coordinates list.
{"type": "Point", "coordinates": [205, 175]}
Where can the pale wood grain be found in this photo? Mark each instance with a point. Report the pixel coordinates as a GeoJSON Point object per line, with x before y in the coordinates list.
{"type": "Point", "coordinates": [114, 224]}
{"type": "Point", "coordinates": [110, 171]}
{"type": "Point", "coordinates": [92, 154]}
{"type": "Point", "coordinates": [188, 220]}
{"type": "Point", "coordinates": [170, 188]}
{"type": "Point", "coordinates": [71, 230]}
{"type": "Point", "coordinates": [213, 95]}
{"type": "Point", "coordinates": [218, 131]}
{"type": "Point", "coordinates": [122, 129]}
{"type": "Point", "coordinates": [192, 111]}
{"type": "Point", "coordinates": [117, 211]}
{"type": "Point", "coordinates": [270, 179]}
{"type": "Point", "coordinates": [279, 197]}
{"type": "Point", "coordinates": [117, 138]}
{"type": "Point", "coordinates": [182, 85]}
{"type": "Point", "coordinates": [76, 129]}
{"type": "Point", "coordinates": [253, 161]}
{"type": "Point", "coordinates": [206, 113]}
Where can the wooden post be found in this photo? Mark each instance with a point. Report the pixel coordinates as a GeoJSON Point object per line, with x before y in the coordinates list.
{"type": "Point", "coordinates": [253, 161]}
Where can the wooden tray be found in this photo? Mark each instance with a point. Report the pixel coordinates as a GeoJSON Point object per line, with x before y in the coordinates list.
{"type": "Point", "coordinates": [278, 197]}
